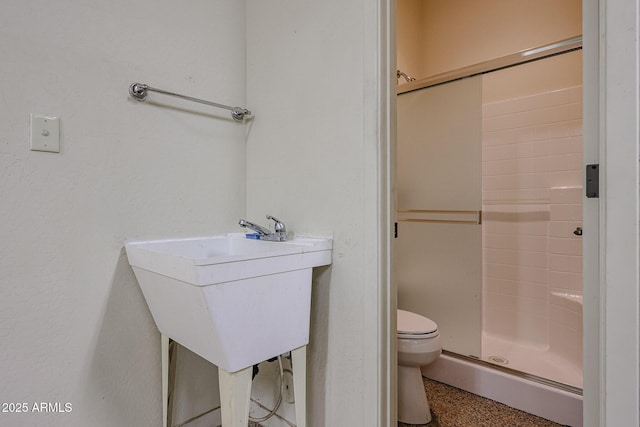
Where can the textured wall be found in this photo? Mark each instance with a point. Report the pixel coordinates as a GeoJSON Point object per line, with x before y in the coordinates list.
{"type": "Point", "coordinates": [312, 160]}
{"type": "Point", "coordinates": [74, 326]}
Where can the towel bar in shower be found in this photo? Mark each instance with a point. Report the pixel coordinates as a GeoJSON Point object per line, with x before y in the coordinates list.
{"type": "Point", "coordinates": [440, 216]}
{"type": "Point", "coordinates": [139, 91]}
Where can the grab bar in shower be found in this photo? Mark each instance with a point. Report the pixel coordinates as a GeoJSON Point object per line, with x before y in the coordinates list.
{"type": "Point", "coordinates": [139, 91]}
{"type": "Point", "coordinates": [440, 216]}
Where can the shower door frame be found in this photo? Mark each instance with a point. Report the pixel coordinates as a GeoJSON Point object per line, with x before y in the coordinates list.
{"type": "Point", "coordinates": [465, 74]}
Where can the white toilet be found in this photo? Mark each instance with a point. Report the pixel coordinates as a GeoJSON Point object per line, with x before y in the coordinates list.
{"type": "Point", "coordinates": [418, 345]}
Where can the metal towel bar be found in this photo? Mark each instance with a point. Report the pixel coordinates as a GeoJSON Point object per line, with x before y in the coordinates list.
{"type": "Point", "coordinates": [139, 91]}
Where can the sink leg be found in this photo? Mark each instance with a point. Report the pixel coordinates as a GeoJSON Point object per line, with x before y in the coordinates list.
{"type": "Point", "coordinates": [299, 362]}
{"type": "Point", "coordinates": [164, 345]}
{"type": "Point", "coordinates": [235, 392]}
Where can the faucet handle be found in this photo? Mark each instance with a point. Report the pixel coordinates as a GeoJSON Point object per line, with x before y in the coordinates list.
{"type": "Point", "coordinates": [279, 226]}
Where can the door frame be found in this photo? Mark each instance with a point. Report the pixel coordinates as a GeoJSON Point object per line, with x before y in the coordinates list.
{"type": "Point", "coordinates": [611, 279]}
{"type": "Point", "coordinates": [611, 284]}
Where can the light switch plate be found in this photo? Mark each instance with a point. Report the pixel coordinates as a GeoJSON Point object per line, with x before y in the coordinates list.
{"type": "Point", "coordinates": [45, 133]}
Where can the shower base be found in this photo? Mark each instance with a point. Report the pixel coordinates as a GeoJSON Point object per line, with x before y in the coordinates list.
{"type": "Point", "coordinates": [533, 360]}
{"type": "Point", "coordinates": [527, 394]}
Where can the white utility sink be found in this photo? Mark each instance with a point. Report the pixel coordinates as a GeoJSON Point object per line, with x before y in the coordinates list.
{"type": "Point", "coordinates": [232, 300]}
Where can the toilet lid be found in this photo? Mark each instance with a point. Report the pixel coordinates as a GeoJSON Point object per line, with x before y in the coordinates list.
{"type": "Point", "coordinates": [415, 326]}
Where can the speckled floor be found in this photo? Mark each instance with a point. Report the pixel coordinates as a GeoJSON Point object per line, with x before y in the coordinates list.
{"type": "Point", "coordinates": [452, 407]}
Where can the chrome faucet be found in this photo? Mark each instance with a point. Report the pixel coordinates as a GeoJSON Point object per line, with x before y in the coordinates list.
{"type": "Point", "coordinates": [278, 235]}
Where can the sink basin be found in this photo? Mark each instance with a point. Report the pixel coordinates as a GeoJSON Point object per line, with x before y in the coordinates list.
{"type": "Point", "coordinates": [204, 261]}
{"type": "Point", "coordinates": [232, 300]}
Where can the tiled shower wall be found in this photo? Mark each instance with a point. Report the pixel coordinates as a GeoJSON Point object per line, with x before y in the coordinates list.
{"type": "Point", "coordinates": [531, 179]}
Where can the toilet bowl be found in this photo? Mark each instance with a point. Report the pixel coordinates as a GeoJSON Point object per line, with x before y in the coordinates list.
{"type": "Point", "coordinates": [418, 345]}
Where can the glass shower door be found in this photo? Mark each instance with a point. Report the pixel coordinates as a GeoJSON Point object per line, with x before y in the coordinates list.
{"type": "Point", "coordinates": [439, 247]}
{"type": "Point", "coordinates": [532, 205]}
{"type": "Point", "coordinates": [489, 196]}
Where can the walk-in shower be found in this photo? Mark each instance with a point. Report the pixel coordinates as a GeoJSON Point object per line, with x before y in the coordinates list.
{"type": "Point", "coordinates": [489, 171]}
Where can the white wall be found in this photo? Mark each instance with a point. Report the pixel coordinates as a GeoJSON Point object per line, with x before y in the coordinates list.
{"type": "Point", "coordinates": [313, 161]}
{"type": "Point", "coordinates": [74, 326]}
